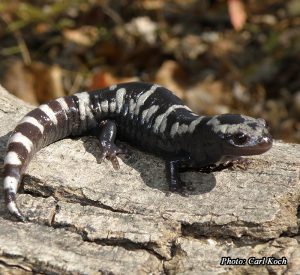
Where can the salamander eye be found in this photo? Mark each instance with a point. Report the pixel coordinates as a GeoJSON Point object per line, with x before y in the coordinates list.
{"type": "Point", "coordinates": [240, 138]}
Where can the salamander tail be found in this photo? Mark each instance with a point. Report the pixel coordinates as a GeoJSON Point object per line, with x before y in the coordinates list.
{"type": "Point", "coordinates": [10, 201]}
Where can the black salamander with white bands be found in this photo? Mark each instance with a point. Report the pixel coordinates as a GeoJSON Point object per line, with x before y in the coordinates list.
{"type": "Point", "coordinates": [145, 115]}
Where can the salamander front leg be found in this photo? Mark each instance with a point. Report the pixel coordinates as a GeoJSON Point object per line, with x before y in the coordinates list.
{"type": "Point", "coordinates": [108, 147]}
{"type": "Point", "coordinates": [173, 168]}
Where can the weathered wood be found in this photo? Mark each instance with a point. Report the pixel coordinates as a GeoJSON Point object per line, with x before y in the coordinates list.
{"type": "Point", "coordinates": [86, 218]}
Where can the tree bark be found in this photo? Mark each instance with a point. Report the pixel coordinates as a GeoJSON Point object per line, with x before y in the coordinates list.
{"type": "Point", "coordinates": [87, 218]}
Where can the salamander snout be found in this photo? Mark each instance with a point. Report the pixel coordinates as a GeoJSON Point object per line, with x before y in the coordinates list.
{"type": "Point", "coordinates": [265, 142]}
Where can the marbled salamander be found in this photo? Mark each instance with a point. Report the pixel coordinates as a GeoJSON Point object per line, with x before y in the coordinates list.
{"type": "Point", "coordinates": [145, 115]}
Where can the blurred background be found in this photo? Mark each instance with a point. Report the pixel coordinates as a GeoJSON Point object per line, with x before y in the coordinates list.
{"type": "Point", "coordinates": [238, 56]}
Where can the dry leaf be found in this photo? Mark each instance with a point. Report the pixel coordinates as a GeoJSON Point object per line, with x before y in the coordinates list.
{"type": "Point", "coordinates": [237, 13]}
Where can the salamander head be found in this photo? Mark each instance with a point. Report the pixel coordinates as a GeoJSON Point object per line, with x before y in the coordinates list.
{"type": "Point", "coordinates": [241, 135]}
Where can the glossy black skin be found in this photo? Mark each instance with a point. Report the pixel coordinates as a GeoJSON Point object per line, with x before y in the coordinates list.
{"type": "Point", "coordinates": [175, 163]}
{"type": "Point", "coordinates": [203, 147]}
{"type": "Point", "coordinates": [200, 149]}
{"type": "Point", "coordinates": [128, 127]}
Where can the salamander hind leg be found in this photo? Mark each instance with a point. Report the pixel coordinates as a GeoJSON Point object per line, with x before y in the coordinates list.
{"type": "Point", "coordinates": [108, 147]}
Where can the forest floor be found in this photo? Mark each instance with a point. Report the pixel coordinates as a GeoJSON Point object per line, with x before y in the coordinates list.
{"type": "Point", "coordinates": [217, 56]}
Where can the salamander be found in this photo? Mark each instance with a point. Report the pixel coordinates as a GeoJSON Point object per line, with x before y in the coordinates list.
{"type": "Point", "coordinates": [145, 115]}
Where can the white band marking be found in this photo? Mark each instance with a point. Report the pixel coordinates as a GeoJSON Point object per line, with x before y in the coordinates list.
{"type": "Point", "coordinates": [182, 129]}
{"type": "Point", "coordinates": [63, 104]}
{"type": "Point", "coordinates": [12, 208]}
{"type": "Point", "coordinates": [11, 183]}
{"type": "Point", "coordinates": [20, 138]}
{"type": "Point", "coordinates": [178, 129]}
{"type": "Point", "coordinates": [161, 120]}
{"type": "Point", "coordinates": [49, 112]}
{"type": "Point", "coordinates": [112, 87]}
{"type": "Point", "coordinates": [146, 115]}
{"type": "Point", "coordinates": [141, 100]}
{"type": "Point", "coordinates": [174, 129]}
{"type": "Point", "coordinates": [84, 106]}
{"type": "Point", "coordinates": [112, 106]}
{"type": "Point", "coordinates": [194, 123]}
{"type": "Point", "coordinates": [33, 121]}
{"type": "Point", "coordinates": [12, 158]}
{"type": "Point", "coordinates": [120, 99]}
{"type": "Point", "coordinates": [132, 105]}
{"type": "Point", "coordinates": [104, 106]}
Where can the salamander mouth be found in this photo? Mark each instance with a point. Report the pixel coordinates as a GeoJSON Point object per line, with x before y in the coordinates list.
{"type": "Point", "coordinates": [258, 147]}
{"type": "Point", "coordinates": [263, 145]}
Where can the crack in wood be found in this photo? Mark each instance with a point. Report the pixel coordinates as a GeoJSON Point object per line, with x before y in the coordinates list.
{"type": "Point", "coordinates": [68, 195]}
{"type": "Point", "coordinates": [13, 266]}
{"type": "Point", "coordinates": [121, 242]}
